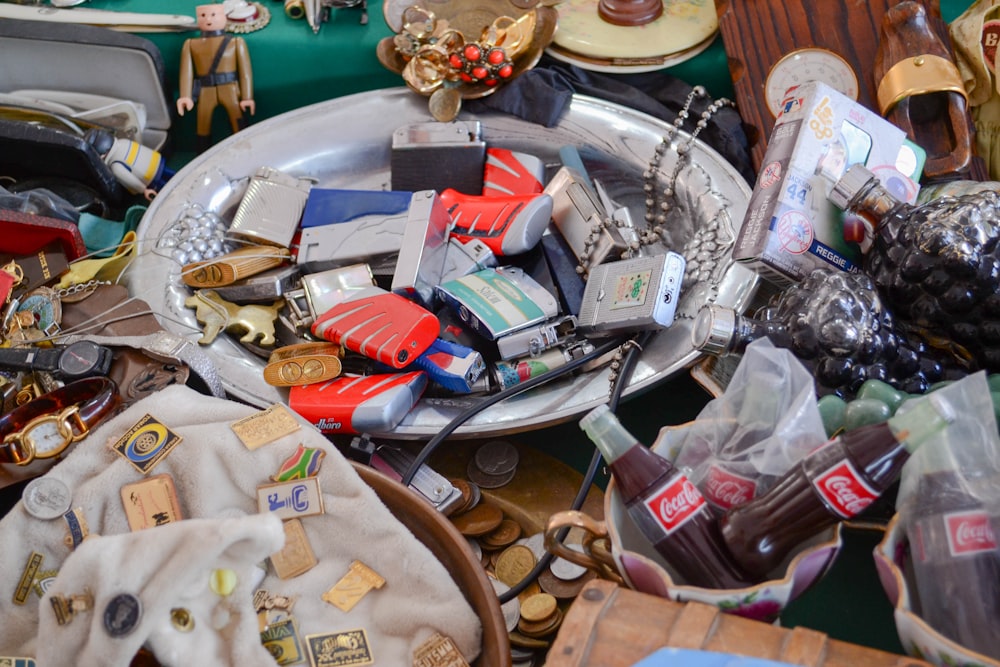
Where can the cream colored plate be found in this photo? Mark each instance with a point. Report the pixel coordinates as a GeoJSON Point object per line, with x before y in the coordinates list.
{"type": "Point", "coordinates": [683, 25]}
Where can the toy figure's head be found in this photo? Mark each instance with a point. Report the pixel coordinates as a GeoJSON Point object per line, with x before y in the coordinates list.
{"type": "Point", "coordinates": [211, 17]}
{"type": "Point", "coordinates": [101, 140]}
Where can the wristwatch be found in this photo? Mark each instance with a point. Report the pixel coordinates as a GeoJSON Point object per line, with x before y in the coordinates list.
{"type": "Point", "coordinates": [66, 362]}
{"type": "Point", "coordinates": [45, 427]}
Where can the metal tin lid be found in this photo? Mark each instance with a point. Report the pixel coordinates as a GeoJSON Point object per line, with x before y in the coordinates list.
{"type": "Point", "coordinates": [853, 180]}
{"type": "Point", "coordinates": [713, 329]}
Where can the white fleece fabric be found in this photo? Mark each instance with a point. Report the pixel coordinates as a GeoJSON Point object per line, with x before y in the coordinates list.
{"type": "Point", "coordinates": [169, 566]}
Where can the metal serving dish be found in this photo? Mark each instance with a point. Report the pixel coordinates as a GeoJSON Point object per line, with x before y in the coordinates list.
{"type": "Point", "coordinates": [345, 143]}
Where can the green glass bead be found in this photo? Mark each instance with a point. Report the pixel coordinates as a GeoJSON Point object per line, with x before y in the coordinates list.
{"type": "Point", "coordinates": [832, 410]}
{"type": "Point", "coordinates": [864, 411]}
{"type": "Point", "coordinates": [882, 391]}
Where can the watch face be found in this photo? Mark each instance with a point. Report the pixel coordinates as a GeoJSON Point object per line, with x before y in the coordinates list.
{"type": "Point", "coordinates": [81, 359]}
{"type": "Point", "coordinates": [47, 437]}
{"type": "Point", "coordinates": [811, 64]}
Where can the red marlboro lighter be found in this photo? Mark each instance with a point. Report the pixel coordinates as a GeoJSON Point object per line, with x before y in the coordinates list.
{"type": "Point", "coordinates": [380, 325]}
{"type": "Point", "coordinates": [358, 404]}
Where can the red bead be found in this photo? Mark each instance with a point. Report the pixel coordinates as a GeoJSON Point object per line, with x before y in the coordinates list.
{"type": "Point", "coordinates": [491, 82]}
{"type": "Point", "coordinates": [505, 71]}
{"type": "Point", "coordinates": [472, 52]}
{"type": "Point", "coordinates": [480, 72]}
{"type": "Point", "coordinates": [496, 56]}
{"type": "Point", "coordinates": [456, 61]}
{"type": "Point", "coordinates": [465, 77]}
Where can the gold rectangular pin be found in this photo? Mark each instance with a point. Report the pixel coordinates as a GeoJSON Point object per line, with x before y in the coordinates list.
{"type": "Point", "coordinates": [438, 651]}
{"type": "Point", "coordinates": [296, 498]}
{"type": "Point", "coordinates": [266, 426]}
{"type": "Point", "coordinates": [28, 578]}
{"type": "Point", "coordinates": [353, 586]}
{"type": "Point", "coordinates": [151, 502]}
{"type": "Point", "coordinates": [338, 649]}
{"type": "Point", "coordinates": [297, 555]}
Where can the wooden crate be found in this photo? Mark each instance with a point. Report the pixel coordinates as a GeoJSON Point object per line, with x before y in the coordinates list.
{"type": "Point", "coordinates": [612, 626]}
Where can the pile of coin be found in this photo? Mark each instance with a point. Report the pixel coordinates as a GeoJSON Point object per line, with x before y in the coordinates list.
{"type": "Point", "coordinates": [508, 555]}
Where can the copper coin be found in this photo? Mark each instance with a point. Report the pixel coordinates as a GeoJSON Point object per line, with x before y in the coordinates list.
{"type": "Point", "coordinates": [514, 564]}
{"type": "Point", "coordinates": [480, 520]}
{"type": "Point", "coordinates": [504, 535]}
{"type": "Point", "coordinates": [487, 481]}
{"type": "Point", "coordinates": [541, 628]}
{"type": "Point", "coordinates": [517, 639]}
{"type": "Point", "coordinates": [538, 608]}
{"type": "Point", "coordinates": [466, 491]}
{"type": "Point", "coordinates": [531, 589]}
{"type": "Point", "coordinates": [563, 590]}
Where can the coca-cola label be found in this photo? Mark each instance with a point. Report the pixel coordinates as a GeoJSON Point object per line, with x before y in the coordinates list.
{"type": "Point", "coordinates": [674, 503]}
{"type": "Point", "coordinates": [725, 489]}
{"type": "Point", "coordinates": [969, 533]}
{"type": "Point", "coordinates": [843, 490]}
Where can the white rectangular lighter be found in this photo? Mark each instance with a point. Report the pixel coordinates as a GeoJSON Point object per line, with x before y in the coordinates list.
{"type": "Point", "coordinates": [631, 295]}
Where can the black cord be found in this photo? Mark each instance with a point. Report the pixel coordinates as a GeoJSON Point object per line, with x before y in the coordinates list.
{"type": "Point", "coordinates": [624, 373]}
{"type": "Point", "coordinates": [468, 414]}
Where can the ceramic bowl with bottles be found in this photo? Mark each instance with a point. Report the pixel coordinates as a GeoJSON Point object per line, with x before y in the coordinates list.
{"type": "Point", "coordinates": [915, 634]}
{"type": "Point", "coordinates": [617, 549]}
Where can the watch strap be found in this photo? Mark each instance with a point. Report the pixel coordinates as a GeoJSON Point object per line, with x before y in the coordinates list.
{"type": "Point", "coordinates": [95, 397]}
{"type": "Point", "coordinates": [168, 346]}
{"type": "Point", "coordinates": [30, 358]}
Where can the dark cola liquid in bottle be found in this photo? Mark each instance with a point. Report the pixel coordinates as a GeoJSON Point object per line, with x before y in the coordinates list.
{"type": "Point", "coordinates": [955, 558]}
{"type": "Point", "coordinates": [837, 481]}
{"type": "Point", "coordinates": [666, 506]}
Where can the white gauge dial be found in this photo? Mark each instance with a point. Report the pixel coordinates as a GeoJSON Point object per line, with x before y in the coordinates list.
{"type": "Point", "coordinates": [809, 64]}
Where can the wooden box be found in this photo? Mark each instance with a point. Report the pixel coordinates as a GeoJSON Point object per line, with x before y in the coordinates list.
{"type": "Point", "coordinates": [612, 626]}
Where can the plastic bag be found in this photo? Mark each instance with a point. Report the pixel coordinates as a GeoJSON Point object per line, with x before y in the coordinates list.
{"type": "Point", "coordinates": [949, 507]}
{"type": "Point", "coordinates": [742, 441]}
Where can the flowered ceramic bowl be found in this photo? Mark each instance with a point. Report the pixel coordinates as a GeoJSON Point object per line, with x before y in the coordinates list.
{"type": "Point", "coordinates": [917, 637]}
{"type": "Point", "coordinates": [634, 562]}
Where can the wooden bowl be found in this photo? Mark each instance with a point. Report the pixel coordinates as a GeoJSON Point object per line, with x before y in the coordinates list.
{"type": "Point", "coordinates": [450, 547]}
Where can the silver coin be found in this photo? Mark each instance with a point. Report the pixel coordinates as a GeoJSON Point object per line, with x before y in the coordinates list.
{"type": "Point", "coordinates": [497, 457]}
{"type": "Point", "coordinates": [477, 494]}
{"type": "Point", "coordinates": [477, 549]}
{"type": "Point", "coordinates": [536, 543]}
{"type": "Point", "coordinates": [46, 498]}
{"type": "Point", "coordinates": [511, 609]}
{"type": "Point", "coordinates": [567, 570]}
{"type": "Point", "coordinates": [484, 481]}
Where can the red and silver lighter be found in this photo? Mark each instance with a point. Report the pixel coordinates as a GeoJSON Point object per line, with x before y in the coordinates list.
{"type": "Point", "coordinates": [358, 404]}
{"type": "Point", "coordinates": [508, 225]}
{"type": "Point", "coordinates": [380, 325]}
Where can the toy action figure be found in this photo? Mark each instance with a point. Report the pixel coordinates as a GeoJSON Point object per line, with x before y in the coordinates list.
{"type": "Point", "coordinates": [215, 69]}
{"type": "Point", "coordinates": [140, 169]}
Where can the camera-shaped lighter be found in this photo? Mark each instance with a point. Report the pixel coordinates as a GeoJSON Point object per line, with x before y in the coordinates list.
{"type": "Point", "coordinates": [358, 404]}
{"type": "Point", "coordinates": [380, 325]}
{"type": "Point", "coordinates": [631, 295]}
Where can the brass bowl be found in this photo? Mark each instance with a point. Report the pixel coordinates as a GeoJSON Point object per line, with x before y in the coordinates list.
{"type": "Point", "coordinates": [470, 18]}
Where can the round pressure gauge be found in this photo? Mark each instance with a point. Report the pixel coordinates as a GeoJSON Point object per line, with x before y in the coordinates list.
{"type": "Point", "coordinates": [809, 64]}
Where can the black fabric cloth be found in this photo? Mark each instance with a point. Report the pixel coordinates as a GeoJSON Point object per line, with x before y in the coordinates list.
{"type": "Point", "coordinates": [542, 94]}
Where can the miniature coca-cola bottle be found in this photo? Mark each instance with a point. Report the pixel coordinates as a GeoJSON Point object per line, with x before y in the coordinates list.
{"type": "Point", "coordinates": [836, 324]}
{"type": "Point", "coordinates": [837, 481]}
{"type": "Point", "coordinates": [954, 554]}
{"type": "Point", "coordinates": [666, 506]}
{"type": "Point", "coordinates": [936, 265]}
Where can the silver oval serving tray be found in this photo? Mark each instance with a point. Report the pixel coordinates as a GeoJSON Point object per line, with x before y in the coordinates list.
{"type": "Point", "coordinates": [345, 143]}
